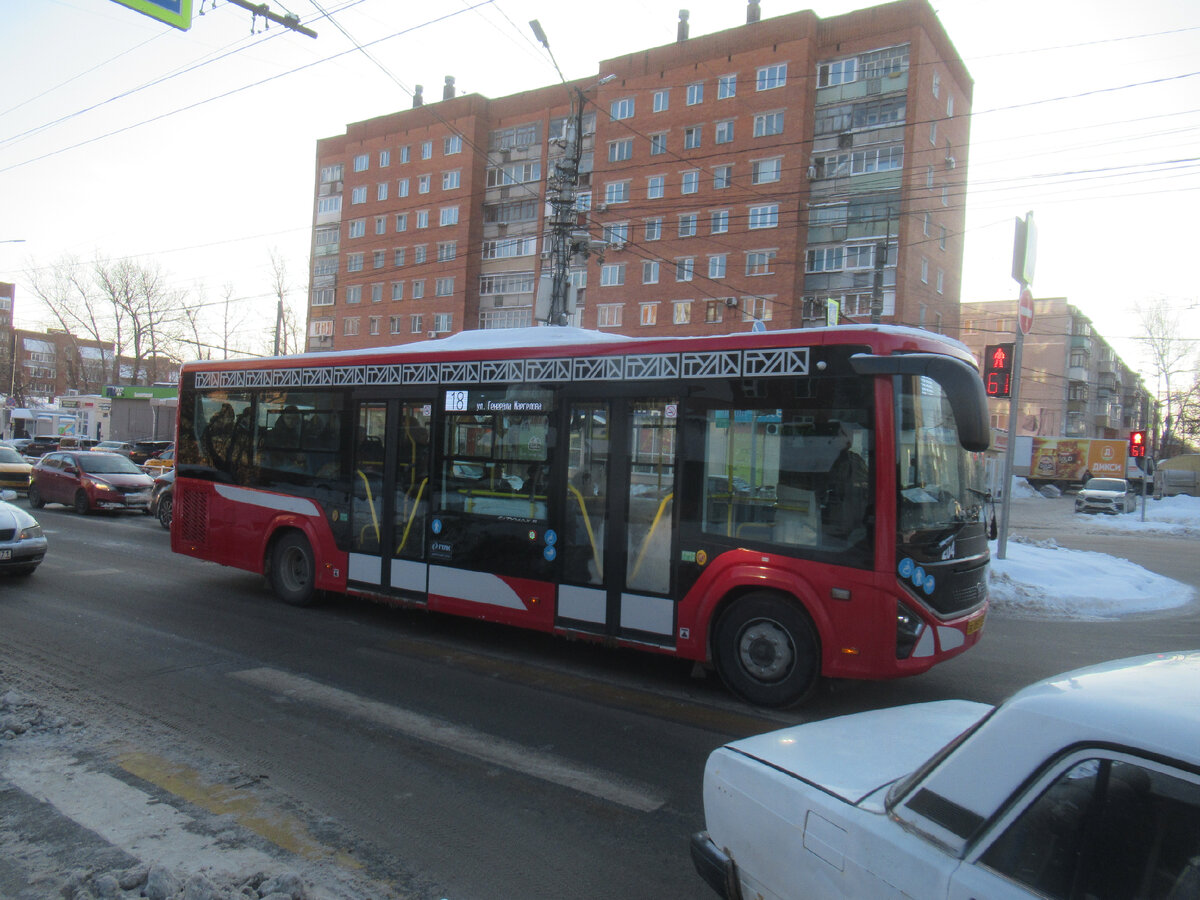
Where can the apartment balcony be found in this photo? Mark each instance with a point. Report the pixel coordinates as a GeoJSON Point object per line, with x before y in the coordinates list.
{"type": "Point", "coordinates": [1081, 342]}
{"type": "Point", "coordinates": [1077, 373]}
{"type": "Point", "coordinates": [862, 88]}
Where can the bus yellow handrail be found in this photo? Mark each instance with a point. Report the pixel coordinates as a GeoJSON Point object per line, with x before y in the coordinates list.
{"type": "Point", "coordinates": [587, 524]}
{"type": "Point", "coordinates": [412, 515]}
{"type": "Point", "coordinates": [649, 534]}
{"type": "Point", "coordinates": [371, 503]}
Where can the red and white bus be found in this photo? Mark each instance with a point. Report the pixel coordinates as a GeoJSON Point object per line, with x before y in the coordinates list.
{"type": "Point", "coordinates": [782, 505]}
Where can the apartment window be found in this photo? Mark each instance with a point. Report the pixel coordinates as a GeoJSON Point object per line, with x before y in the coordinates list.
{"type": "Point", "coordinates": [756, 308]}
{"type": "Point", "coordinates": [924, 270]}
{"type": "Point", "coordinates": [879, 159]}
{"type": "Point", "coordinates": [362, 162]}
{"type": "Point", "coordinates": [942, 237]}
{"type": "Point", "coordinates": [719, 221]}
{"type": "Point", "coordinates": [443, 287]}
{"type": "Point", "coordinates": [329, 204]}
{"type": "Point", "coordinates": [690, 182]}
{"type": "Point", "coordinates": [767, 124]}
{"type": "Point", "coordinates": [377, 293]}
{"type": "Point", "coordinates": [426, 149]}
{"type": "Point", "coordinates": [928, 224]}
{"type": "Point", "coordinates": [765, 171]}
{"type": "Point", "coordinates": [687, 225]}
{"type": "Point", "coordinates": [381, 190]}
{"type": "Point", "coordinates": [616, 233]}
{"type": "Point", "coordinates": [824, 259]}
{"type": "Point", "coordinates": [612, 274]}
{"type": "Point", "coordinates": [695, 93]}
{"type": "Point", "coordinates": [398, 256]}
{"type": "Point", "coordinates": [758, 262]}
{"type": "Point", "coordinates": [933, 132]}
{"type": "Point", "coordinates": [354, 262]}
{"type": "Point", "coordinates": [650, 272]}
{"type": "Point", "coordinates": [654, 229]}
{"type": "Point", "coordinates": [726, 87]}
{"type": "Point", "coordinates": [323, 297]}
{"type": "Point", "coordinates": [619, 151]}
{"type": "Point", "coordinates": [418, 288]}
{"type": "Point", "coordinates": [765, 216]}
{"type": "Point", "coordinates": [722, 177]}
{"type": "Point", "coordinates": [332, 173]}
{"type": "Point", "coordinates": [945, 195]}
{"type": "Point", "coordinates": [506, 248]}
{"type": "Point", "coordinates": [419, 252]}
{"type": "Point", "coordinates": [691, 138]}
{"type": "Point", "coordinates": [402, 187]}
{"type": "Point", "coordinates": [379, 259]}
{"type": "Point", "coordinates": [422, 218]}
{"type": "Point", "coordinates": [716, 265]}
{"type": "Point", "coordinates": [451, 179]}
{"type": "Point", "coordinates": [381, 224]}
{"type": "Point", "coordinates": [608, 315]}
{"type": "Point", "coordinates": [350, 326]}
{"type": "Point", "coordinates": [929, 177]}
{"type": "Point", "coordinates": [397, 290]}
{"type": "Point", "coordinates": [662, 101]}
{"type": "Point", "coordinates": [714, 311]}
{"type": "Point", "coordinates": [394, 324]}
{"type": "Point", "coordinates": [860, 256]}
{"type": "Point", "coordinates": [941, 281]}
{"type": "Point", "coordinates": [880, 63]}
{"type": "Point", "coordinates": [448, 215]}
{"type": "Point", "coordinates": [358, 195]}
{"type": "Point", "coordinates": [443, 322]}
{"type": "Point", "coordinates": [422, 184]}
{"type": "Point", "coordinates": [724, 132]}
{"type": "Point", "coordinates": [616, 192]}
{"type": "Point", "coordinates": [771, 77]}
{"type": "Point", "coordinates": [681, 312]}
{"type": "Point", "coordinates": [655, 186]}
{"type": "Point", "coordinates": [843, 71]}
{"type": "Point", "coordinates": [658, 144]}
{"type": "Point", "coordinates": [685, 268]}
{"type": "Point", "coordinates": [648, 313]}
{"type": "Point", "coordinates": [452, 144]}
{"type": "Point", "coordinates": [937, 83]}
{"type": "Point", "coordinates": [354, 293]}
{"type": "Point", "coordinates": [949, 105]}
{"type": "Point", "coordinates": [405, 154]}
{"type": "Point", "coordinates": [401, 222]}
{"type": "Point", "coordinates": [621, 109]}
{"type": "Point", "coordinates": [878, 113]}
{"type": "Point", "coordinates": [416, 324]}
{"type": "Point", "coordinates": [447, 250]}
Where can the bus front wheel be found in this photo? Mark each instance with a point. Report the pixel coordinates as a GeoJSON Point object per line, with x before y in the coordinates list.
{"type": "Point", "coordinates": [293, 570]}
{"type": "Point", "coordinates": [766, 650]}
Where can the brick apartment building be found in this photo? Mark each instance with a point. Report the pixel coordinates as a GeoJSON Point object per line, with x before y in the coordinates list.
{"type": "Point", "coordinates": [750, 174]}
{"type": "Point", "coordinates": [1073, 383]}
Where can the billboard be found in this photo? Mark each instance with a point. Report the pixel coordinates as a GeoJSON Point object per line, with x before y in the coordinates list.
{"type": "Point", "coordinates": [1072, 459]}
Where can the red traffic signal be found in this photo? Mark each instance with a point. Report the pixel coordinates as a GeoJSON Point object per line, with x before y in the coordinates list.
{"type": "Point", "coordinates": [1137, 443]}
{"type": "Point", "coordinates": [997, 370]}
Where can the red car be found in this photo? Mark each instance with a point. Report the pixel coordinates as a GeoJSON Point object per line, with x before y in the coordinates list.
{"type": "Point", "coordinates": [89, 480]}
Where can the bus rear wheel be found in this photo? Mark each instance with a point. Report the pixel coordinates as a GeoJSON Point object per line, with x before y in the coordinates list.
{"type": "Point", "coordinates": [293, 570]}
{"type": "Point", "coordinates": [766, 650]}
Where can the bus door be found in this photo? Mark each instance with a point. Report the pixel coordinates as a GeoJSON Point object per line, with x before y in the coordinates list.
{"type": "Point", "coordinates": [619, 519]}
{"type": "Point", "coordinates": [390, 496]}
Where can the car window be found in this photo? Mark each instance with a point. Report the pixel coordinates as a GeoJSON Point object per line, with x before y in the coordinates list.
{"type": "Point", "coordinates": [108, 464]}
{"type": "Point", "coordinates": [1106, 829]}
{"type": "Point", "coordinates": [1106, 484]}
{"type": "Point", "coordinates": [9, 455]}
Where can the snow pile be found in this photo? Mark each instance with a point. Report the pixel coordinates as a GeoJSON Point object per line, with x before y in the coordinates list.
{"type": "Point", "coordinates": [1022, 489]}
{"type": "Point", "coordinates": [160, 883]}
{"type": "Point", "coordinates": [1171, 515]}
{"type": "Point", "coordinates": [1039, 579]}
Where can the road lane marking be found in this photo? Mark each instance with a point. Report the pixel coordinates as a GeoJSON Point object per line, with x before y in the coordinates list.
{"type": "Point", "coordinates": [459, 739]}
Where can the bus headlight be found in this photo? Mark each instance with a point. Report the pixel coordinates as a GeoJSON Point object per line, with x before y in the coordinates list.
{"type": "Point", "coordinates": [908, 630]}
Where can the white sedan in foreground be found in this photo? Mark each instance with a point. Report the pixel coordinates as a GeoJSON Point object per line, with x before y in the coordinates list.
{"type": "Point", "coordinates": [1086, 785]}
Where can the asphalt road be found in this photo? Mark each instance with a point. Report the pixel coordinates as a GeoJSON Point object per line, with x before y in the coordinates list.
{"type": "Point", "coordinates": [432, 757]}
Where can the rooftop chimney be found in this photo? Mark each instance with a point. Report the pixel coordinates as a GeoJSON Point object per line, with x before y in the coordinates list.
{"type": "Point", "coordinates": [681, 34]}
{"type": "Point", "coordinates": [448, 90]}
{"type": "Point", "coordinates": [753, 13]}
{"type": "Point", "coordinates": [418, 100]}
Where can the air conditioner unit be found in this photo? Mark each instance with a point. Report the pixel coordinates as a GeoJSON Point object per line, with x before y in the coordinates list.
{"type": "Point", "coordinates": [616, 245]}
{"type": "Point", "coordinates": [950, 162]}
{"type": "Point", "coordinates": [546, 254]}
{"type": "Point", "coordinates": [601, 207]}
{"type": "Point", "coordinates": [812, 172]}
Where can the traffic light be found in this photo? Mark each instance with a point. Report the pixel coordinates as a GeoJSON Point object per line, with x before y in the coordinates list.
{"type": "Point", "coordinates": [997, 369]}
{"type": "Point", "coordinates": [1137, 444]}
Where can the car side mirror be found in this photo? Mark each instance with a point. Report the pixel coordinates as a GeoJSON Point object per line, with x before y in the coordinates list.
{"type": "Point", "coordinates": [71, 470]}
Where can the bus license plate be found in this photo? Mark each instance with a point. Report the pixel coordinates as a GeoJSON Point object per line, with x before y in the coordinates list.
{"type": "Point", "coordinates": [975, 624]}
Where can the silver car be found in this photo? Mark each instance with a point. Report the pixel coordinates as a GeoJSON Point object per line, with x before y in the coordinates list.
{"type": "Point", "coordinates": [22, 544]}
{"type": "Point", "coordinates": [1106, 495]}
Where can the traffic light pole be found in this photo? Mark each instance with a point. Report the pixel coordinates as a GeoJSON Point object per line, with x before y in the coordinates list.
{"type": "Point", "coordinates": [1014, 398]}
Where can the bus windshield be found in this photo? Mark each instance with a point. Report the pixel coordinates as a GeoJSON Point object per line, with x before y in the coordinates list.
{"type": "Point", "coordinates": [940, 484]}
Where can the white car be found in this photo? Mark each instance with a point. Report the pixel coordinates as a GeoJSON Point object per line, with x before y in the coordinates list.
{"type": "Point", "coordinates": [1086, 785]}
{"type": "Point", "coordinates": [1106, 495]}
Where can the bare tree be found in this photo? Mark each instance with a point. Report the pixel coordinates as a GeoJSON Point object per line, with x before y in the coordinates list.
{"type": "Point", "coordinates": [1172, 358]}
{"type": "Point", "coordinates": [289, 324]}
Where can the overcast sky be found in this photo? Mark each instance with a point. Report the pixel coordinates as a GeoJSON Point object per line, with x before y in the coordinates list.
{"type": "Point", "coordinates": [120, 136]}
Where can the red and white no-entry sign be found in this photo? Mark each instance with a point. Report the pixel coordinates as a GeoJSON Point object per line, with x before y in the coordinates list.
{"type": "Point", "coordinates": [1025, 311]}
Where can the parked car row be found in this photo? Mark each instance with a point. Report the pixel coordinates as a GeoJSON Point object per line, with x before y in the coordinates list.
{"type": "Point", "coordinates": [140, 452]}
